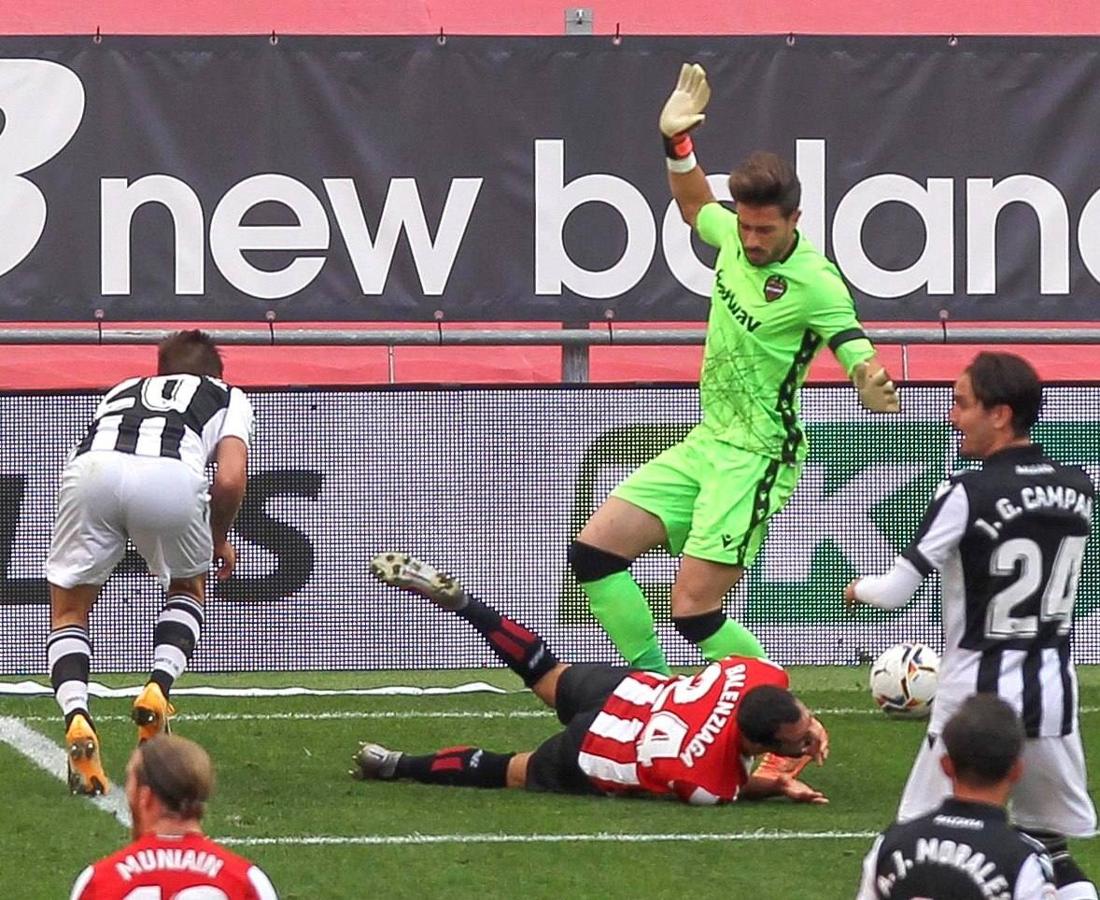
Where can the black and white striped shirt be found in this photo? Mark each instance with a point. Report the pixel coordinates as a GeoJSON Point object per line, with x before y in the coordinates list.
{"type": "Point", "coordinates": [963, 850]}
{"type": "Point", "coordinates": [1009, 540]}
{"type": "Point", "coordinates": [177, 416]}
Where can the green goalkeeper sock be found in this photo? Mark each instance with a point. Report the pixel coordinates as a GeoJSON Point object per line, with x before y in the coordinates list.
{"type": "Point", "coordinates": [731, 639]}
{"type": "Point", "coordinates": [621, 608]}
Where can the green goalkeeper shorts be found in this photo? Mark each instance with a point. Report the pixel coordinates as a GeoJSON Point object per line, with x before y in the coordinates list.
{"type": "Point", "coordinates": [714, 499]}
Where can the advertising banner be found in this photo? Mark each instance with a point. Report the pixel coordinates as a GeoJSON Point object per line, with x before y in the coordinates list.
{"type": "Point", "coordinates": [522, 179]}
{"type": "Point", "coordinates": [492, 485]}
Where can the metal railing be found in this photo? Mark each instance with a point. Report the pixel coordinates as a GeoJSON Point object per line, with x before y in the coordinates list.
{"type": "Point", "coordinates": [575, 342]}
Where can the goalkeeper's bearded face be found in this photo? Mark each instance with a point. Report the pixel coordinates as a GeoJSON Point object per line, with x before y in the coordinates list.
{"type": "Point", "coordinates": [766, 234]}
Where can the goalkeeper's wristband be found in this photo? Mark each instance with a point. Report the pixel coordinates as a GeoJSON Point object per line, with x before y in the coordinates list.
{"type": "Point", "coordinates": [681, 166]}
{"type": "Point", "coordinates": [679, 146]}
{"type": "Point", "coordinates": [680, 153]}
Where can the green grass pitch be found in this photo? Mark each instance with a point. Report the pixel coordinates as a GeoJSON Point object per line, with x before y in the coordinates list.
{"type": "Point", "coordinates": [284, 799]}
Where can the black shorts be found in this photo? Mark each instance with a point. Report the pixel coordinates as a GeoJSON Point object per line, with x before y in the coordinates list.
{"type": "Point", "coordinates": [582, 692]}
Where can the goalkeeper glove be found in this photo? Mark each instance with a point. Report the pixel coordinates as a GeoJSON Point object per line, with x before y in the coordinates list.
{"type": "Point", "coordinates": [683, 111]}
{"type": "Point", "coordinates": [684, 108]}
{"type": "Point", "coordinates": [876, 392]}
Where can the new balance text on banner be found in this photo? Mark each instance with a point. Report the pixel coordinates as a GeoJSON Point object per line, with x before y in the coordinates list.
{"type": "Point", "coordinates": [493, 484]}
{"type": "Point", "coordinates": [497, 178]}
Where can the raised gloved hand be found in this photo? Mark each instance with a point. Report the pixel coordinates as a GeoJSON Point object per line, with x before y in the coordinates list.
{"type": "Point", "coordinates": [876, 392]}
{"type": "Point", "coordinates": [684, 108]}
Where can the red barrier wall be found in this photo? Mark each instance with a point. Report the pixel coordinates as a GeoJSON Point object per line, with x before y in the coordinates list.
{"type": "Point", "coordinates": [544, 17]}
{"type": "Point", "coordinates": [84, 366]}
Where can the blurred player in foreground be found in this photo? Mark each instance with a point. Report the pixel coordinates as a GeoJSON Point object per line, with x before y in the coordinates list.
{"type": "Point", "coordinates": [168, 781]}
{"type": "Point", "coordinates": [775, 304]}
{"type": "Point", "coordinates": [139, 474]}
{"type": "Point", "coordinates": [965, 849]}
{"type": "Point", "coordinates": [626, 732]}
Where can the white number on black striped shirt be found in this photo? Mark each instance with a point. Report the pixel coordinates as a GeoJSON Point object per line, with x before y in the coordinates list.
{"type": "Point", "coordinates": [1058, 596]}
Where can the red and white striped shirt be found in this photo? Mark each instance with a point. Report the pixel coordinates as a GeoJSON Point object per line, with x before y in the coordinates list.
{"type": "Point", "coordinates": [676, 734]}
{"type": "Point", "coordinates": [162, 867]}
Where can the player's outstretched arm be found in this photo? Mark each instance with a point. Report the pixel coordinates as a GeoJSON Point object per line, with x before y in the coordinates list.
{"type": "Point", "coordinates": [876, 391]}
{"type": "Point", "coordinates": [759, 787]}
{"type": "Point", "coordinates": [891, 590]}
{"type": "Point", "coordinates": [800, 792]}
{"type": "Point", "coordinates": [682, 112]}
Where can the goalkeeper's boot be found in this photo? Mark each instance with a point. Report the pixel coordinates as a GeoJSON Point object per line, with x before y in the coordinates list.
{"type": "Point", "coordinates": [405, 571]}
{"type": "Point", "coordinates": [151, 712]}
{"type": "Point", "coordinates": [773, 765]}
{"type": "Point", "coordinates": [373, 761]}
{"type": "Point", "coordinates": [86, 775]}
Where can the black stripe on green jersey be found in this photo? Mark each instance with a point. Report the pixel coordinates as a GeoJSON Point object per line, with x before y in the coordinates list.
{"type": "Point", "coordinates": [787, 391]}
{"type": "Point", "coordinates": [761, 503]}
{"type": "Point", "coordinates": [842, 337]}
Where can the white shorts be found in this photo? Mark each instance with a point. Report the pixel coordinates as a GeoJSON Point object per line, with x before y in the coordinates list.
{"type": "Point", "coordinates": [1052, 795]}
{"type": "Point", "coordinates": [106, 497]}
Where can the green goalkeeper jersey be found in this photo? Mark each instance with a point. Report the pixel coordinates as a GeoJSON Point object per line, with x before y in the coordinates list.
{"type": "Point", "coordinates": [766, 325]}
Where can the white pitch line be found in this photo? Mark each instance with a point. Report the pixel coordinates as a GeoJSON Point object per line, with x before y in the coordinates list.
{"type": "Point", "coordinates": [597, 837]}
{"type": "Point", "coordinates": [49, 757]}
{"type": "Point", "coordinates": [417, 714]}
{"type": "Point", "coordinates": [95, 689]}
{"type": "Point", "coordinates": [345, 714]}
{"type": "Point", "coordinates": [384, 714]}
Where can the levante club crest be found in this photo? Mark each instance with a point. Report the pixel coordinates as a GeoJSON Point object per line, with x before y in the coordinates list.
{"type": "Point", "coordinates": [775, 287]}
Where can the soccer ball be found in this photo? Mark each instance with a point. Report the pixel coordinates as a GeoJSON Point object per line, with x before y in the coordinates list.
{"type": "Point", "coordinates": [903, 680]}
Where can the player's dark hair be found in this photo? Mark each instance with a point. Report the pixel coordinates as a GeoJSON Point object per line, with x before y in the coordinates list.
{"type": "Point", "coordinates": [178, 771]}
{"type": "Point", "coordinates": [1010, 379]}
{"type": "Point", "coordinates": [765, 179]}
{"type": "Point", "coordinates": [763, 711]}
{"type": "Point", "coordinates": [984, 738]}
{"type": "Point", "coordinates": [190, 352]}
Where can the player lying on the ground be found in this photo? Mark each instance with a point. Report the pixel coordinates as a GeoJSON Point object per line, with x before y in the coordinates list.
{"type": "Point", "coordinates": [626, 731]}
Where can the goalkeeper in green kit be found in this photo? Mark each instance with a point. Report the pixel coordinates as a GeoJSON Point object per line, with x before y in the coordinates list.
{"type": "Point", "coordinates": [776, 302]}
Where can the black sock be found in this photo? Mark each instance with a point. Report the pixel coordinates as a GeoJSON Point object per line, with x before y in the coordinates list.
{"type": "Point", "coordinates": [69, 654]}
{"type": "Point", "coordinates": [457, 767]}
{"type": "Point", "coordinates": [175, 635]}
{"type": "Point", "coordinates": [521, 650]}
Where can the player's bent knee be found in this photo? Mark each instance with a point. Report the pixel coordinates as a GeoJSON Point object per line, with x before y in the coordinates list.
{"type": "Point", "coordinates": [685, 602]}
{"type": "Point", "coordinates": [591, 563]}
{"type": "Point", "coordinates": [517, 770]}
{"type": "Point", "coordinates": [546, 688]}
